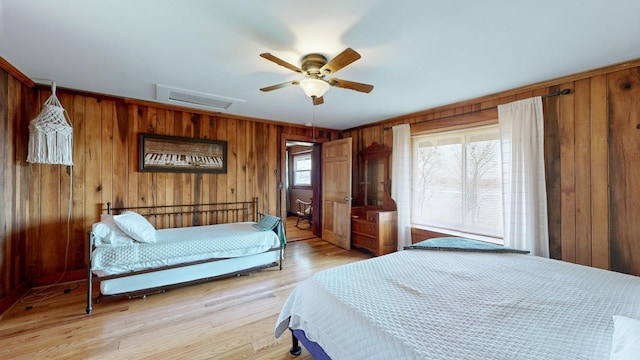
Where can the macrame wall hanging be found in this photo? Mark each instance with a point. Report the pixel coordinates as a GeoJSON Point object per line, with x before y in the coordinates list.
{"type": "Point", "coordinates": [51, 142]}
{"type": "Point", "coordinates": [51, 134]}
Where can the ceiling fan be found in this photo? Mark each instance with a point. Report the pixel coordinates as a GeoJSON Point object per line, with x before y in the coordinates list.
{"type": "Point", "coordinates": [315, 68]}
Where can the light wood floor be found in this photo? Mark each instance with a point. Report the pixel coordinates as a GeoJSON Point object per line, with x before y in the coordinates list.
{"type": "Point", "coordinates": [297, 233]}
{"type": "Point", "coordinates": [231, 318]}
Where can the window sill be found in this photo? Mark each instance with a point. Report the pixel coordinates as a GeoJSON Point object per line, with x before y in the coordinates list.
{"type": "Point", "coordinates": [449, 232]}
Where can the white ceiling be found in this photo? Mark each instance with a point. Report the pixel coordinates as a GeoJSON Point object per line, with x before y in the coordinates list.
{"type": "Point", "coordinates": [418, 54]}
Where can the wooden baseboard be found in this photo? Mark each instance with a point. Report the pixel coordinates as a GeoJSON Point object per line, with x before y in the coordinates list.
{"type": "Point", "coordinates": [67, 277]}
{"type": "Point", "coordinates": [14, 295]}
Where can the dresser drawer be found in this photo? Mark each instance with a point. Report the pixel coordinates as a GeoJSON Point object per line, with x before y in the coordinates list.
{"type": "Point", "coordinates": [362, 241]}
{"type": "Point", "coordinates": [364, 227]}
{"type": "Point", "coordinates": [374, 230]}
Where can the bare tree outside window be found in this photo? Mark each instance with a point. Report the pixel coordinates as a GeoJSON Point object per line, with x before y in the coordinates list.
{"type": "Point", "coordinates": [426, 168]}
{"type": "Point", "coordinates": [484, 181]}
{"type": "Point", "coordinates": [457, 183]}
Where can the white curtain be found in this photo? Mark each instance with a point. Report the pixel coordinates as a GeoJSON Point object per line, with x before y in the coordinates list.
{"type": "Point", "coordinates": [523, 177]}
{"type": "Point", "coordinates": [401, 181]}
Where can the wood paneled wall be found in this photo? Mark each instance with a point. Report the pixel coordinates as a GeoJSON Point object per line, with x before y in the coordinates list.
{"type": "Point", "coordinates": [592, 142]}
{"type": "Point", "coordinates": [106, 169]}
{"type": "Point", "coordinates": [38, 198]}
{"type": "Point", "coordinates": [15, 102]}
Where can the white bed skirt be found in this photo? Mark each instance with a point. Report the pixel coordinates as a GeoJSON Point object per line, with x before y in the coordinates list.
{"type": "Point", "coordinates": [186, 274]}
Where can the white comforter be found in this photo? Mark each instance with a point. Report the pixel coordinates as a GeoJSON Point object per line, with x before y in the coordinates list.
{"type": "Point", "coordinates": [180, 245]}
{"type": "Point", "coordinates": [420, 304]}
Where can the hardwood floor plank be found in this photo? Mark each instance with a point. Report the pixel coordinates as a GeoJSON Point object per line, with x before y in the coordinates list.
{"type": "Point", "coordinates": [295, 233]}
{"type": "Point", "coordinates": [232, 318]}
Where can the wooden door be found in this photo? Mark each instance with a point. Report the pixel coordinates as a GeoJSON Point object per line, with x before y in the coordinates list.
{"type": "Point", "coordinates": [336, 192]}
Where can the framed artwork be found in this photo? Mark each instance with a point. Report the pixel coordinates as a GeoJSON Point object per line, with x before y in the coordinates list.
{"type": "Point", "coordinates": [161, 153]}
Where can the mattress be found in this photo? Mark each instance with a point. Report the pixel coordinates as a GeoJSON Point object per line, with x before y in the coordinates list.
{"type": "Point", "coordinates": [419, 304]}
{"type": "Point", "coordinates": [181, 245]}
{"type": "Point", "coordinates": [188, 273]}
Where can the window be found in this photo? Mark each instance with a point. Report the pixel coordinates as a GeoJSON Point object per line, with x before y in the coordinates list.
{"type": "Point", "coordinates": [302, 170]}
{"type": "Point", "coordinates": [457, 181]}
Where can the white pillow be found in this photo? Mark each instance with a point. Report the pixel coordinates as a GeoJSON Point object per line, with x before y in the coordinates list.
{"type": "Point", "coordinates": [136, 226]}
{"type": "Point", "coordinates": [107, 232]}
{"type": "Point", "coordinates": [626, 338]}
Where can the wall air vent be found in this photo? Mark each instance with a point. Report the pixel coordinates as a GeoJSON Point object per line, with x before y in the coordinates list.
{"type": "Point", "coordinates": [193, 98]}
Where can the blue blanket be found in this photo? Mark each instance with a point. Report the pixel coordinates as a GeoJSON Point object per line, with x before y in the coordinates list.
{"type": "Point", "coordinates": [270, 222]}
{"type": "Point", "coordinates": [462, 244]}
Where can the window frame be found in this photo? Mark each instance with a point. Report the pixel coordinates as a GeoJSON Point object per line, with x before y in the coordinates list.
{"type": "Point", "coordinates": [294, 160]}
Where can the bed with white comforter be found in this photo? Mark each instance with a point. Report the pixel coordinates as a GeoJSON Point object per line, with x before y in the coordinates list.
{"type": "Point", "coordinates": [418, 304]}
{"type": "Point", "coordinates": [195, 243]}
{"type": "Point", "coordinates": [129, 257]}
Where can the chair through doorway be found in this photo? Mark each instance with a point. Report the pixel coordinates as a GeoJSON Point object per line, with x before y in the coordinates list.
{"type": "Point", "coordinates": [305, 211]}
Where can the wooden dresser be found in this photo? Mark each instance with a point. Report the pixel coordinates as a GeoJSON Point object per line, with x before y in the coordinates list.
{"type": "Point", "coordinates": [374, 219]}
{"type": "Point", "coordinates": [374, 230]}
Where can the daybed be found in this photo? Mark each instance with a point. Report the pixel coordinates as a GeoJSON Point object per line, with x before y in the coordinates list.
{"type": "Point", "coordinates": [142, 250]}
{"type": "Point", "coordinates": [463, 304]}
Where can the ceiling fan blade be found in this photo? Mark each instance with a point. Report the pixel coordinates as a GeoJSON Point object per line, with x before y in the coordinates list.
{"type": "Point", "coordinates": [339, 61]}
{"type": "Point", "coordinates": [281, 62]}
{"type": "Point", "coordinates": [318, 100]}
{"type": "Point", "coordinates": [366, 88]}
{"type": "Point", "coordinates": [280, 86]}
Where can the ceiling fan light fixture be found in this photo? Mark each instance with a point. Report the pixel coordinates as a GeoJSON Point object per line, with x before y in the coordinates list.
{"type": "Point", "coordinates": [314, 87]}
{"type": "Point", "coordinates": [315, 67]}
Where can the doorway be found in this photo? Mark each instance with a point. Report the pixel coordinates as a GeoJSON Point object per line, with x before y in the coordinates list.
{"type": "Point", "coordinates": [299, 189]}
